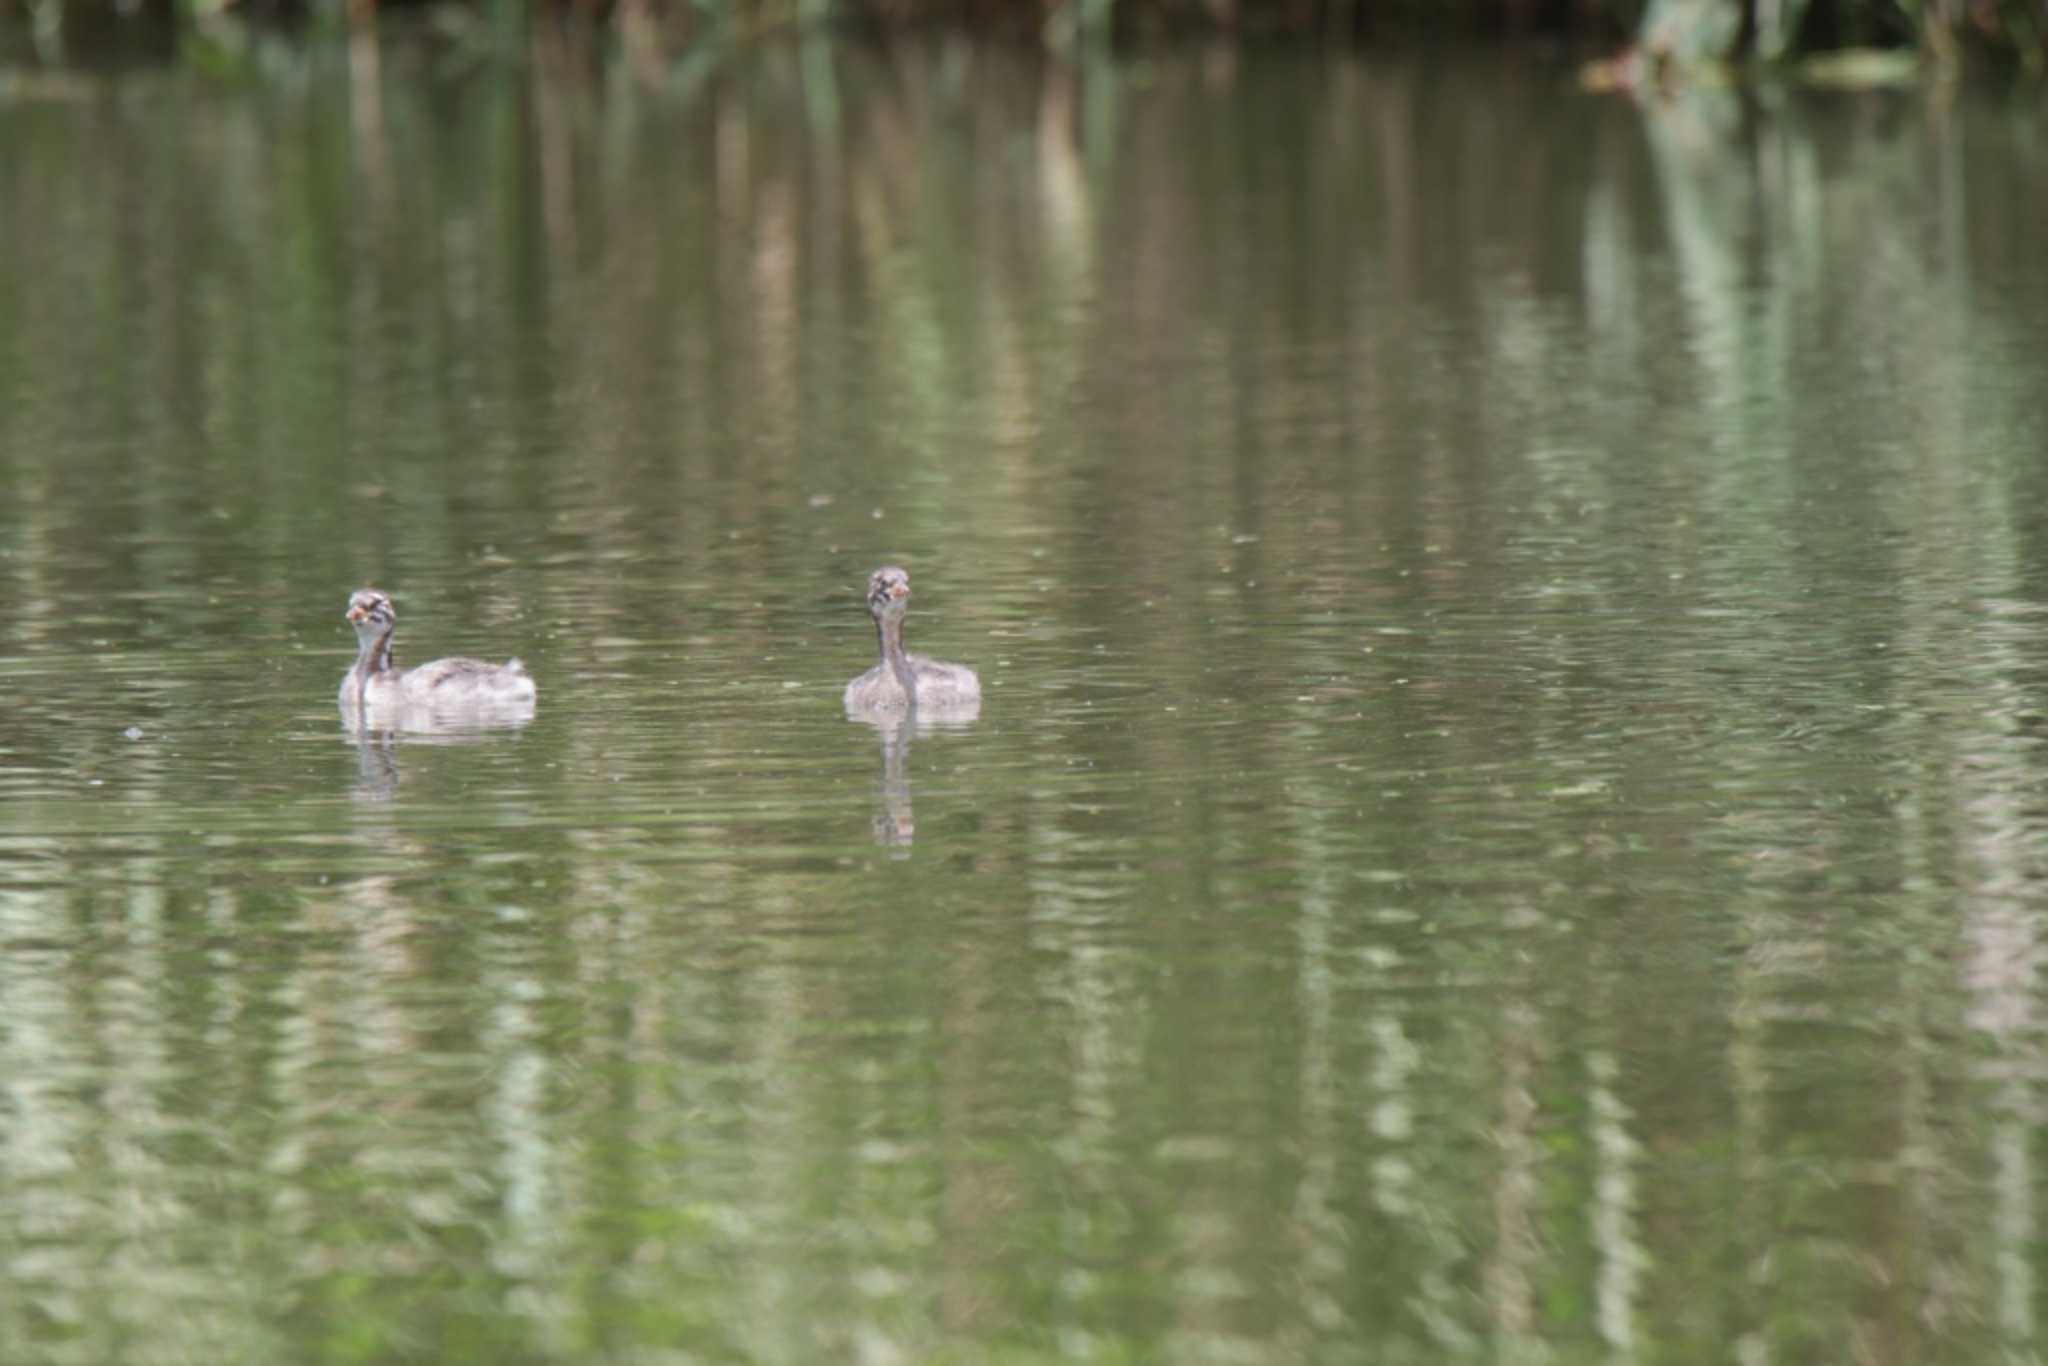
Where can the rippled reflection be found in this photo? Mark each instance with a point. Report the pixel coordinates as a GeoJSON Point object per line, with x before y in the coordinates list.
{"type": "Point", "coordinates": [895, 821]}
{"type": "Point", "coordinates": [380, 737]}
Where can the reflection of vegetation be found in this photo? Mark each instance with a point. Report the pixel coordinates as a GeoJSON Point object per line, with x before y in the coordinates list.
{"type": "Point", "coordinates": [1663, 37]}
{"type": "Point", "coordinates": [1865, 43]}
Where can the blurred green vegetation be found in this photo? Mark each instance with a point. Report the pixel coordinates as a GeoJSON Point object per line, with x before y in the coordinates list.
{"type": "Point", "coordinates": [1655, 38]}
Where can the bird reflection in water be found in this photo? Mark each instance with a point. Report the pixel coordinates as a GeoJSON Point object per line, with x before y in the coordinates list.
{"type": "Point", "coordinates": [377, 732]}
{"type": "Point", "coordinates": [895, 824]}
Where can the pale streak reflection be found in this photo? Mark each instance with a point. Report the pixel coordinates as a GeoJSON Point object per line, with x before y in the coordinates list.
{"type": "Point", "coordinates": [2004, 946]}
{"type": "Point", "coordinates": [1396, 1060]}
{"type": "Point", "coordinates": [1316, 1204]}
{"type": "Point", "coordinates": [1622, 1259]}
{"type": "Point", "coordinates": [366, 117]}
{"type": "Point", "coordinates": [1397, 1178]}
{"type": "Point", "coordinates": [1516, 1245]}
{"type": "Point", "coordinates": [1094, 979]}
{"type": "Point", "coordinates": [47, 1120]}
{"type": "Point", "coordinates": [523, 1135]}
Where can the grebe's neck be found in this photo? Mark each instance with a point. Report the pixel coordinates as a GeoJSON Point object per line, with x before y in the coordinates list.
{"type": "Point", "coordinates": [373, 655]}
{"type": "Point", "coordinates": [889, 632]}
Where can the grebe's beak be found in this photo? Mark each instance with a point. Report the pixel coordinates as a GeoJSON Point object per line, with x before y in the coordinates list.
{"type": "Point", "coordinates": [898, 590]}
{"type": "Point", "coordinates": [355, 613]}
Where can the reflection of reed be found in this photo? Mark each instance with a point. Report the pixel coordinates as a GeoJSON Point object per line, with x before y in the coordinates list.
{"type": "Point", "coordinates": [366, 120]}
{"type": "Point", "coordinates": [2004, 935]}
{"type": "Point", "coordinates": [556, 99]}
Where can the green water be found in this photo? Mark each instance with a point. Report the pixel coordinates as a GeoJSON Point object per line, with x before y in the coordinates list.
{"type": "Point", "coordinates": [1509, 819]}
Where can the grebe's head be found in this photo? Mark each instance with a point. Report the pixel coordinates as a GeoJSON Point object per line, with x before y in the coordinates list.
{"type": "Point", "coordinates": [369, 611]}
{"type": "Point", "coordinates": [888, 592]}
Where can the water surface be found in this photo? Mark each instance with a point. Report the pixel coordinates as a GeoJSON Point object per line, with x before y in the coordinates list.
{"type": "Point", "coordinates": [1506, 820]}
